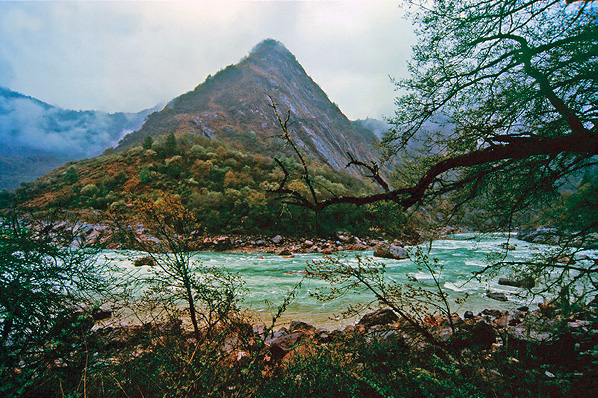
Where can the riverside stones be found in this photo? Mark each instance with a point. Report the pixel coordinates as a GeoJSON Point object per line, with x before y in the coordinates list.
{"type": "Point", "coordinates": [525, 283]}
{"type": "Point", "coordinates": [497, 296]}
{"type": "Point", "coordinates": [391, 251]}
{"type": "Point", "coordinates": [146, 260]}
{"type": "Point", "coordinates": [382, 316]}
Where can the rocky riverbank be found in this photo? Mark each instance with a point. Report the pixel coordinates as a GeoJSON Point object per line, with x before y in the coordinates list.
{"type": "Point", "coordinates": [106, 237]}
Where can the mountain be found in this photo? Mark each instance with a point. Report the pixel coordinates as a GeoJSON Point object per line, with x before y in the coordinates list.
{"type": "Point", "coordinates": [378, 127]}
{"type": "Point", "coordinates": [36, 137]}
{"type": "Point", "coordinates": [233, 106]}
{"type": "Point", "coordinates": [212, 150]}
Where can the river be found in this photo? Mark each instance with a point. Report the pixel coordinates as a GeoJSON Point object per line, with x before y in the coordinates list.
{"type": "Point", "coordinates": [270, 277]}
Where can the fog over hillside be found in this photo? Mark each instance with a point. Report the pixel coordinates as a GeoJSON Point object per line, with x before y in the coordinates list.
{"type": "Point", "coordinates": [35, 137]}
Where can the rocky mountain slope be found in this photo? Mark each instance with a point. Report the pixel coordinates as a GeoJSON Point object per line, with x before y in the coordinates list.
{"type": "Point", "coordinates": [233, 106]}
{"type": "Point", "coordinates": [36, 137]}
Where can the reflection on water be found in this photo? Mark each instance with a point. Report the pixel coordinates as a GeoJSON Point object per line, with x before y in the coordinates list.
{"type": "Point", "coordinates": [270, 277]}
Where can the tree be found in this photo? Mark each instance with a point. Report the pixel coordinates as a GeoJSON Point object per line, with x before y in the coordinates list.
{"type": "Point", "coordinates": [502, 102]}
{"type": "Point", "coordinates": [148, 142]}
{"type": "Point", "coordinates": [211, 294]}
{"type": "Point", "coordinates": [44, 279]}
{"type": "Point", "coordinates": [170, 145]}
{"type": "Point", "coordinates": [514, 83]}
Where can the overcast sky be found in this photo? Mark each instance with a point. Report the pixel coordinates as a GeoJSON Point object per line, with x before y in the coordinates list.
{"type": "Point", "coordinates": [127, 56]}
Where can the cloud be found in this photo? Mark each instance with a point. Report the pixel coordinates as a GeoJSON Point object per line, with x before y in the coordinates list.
{"type": "Point", "coordinates": [127, 56]}
{"type": "Point", "coordinates": [29, 127]}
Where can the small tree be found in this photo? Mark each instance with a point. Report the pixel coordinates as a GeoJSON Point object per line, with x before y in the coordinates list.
{"type": "Point", "coordinates": [43, 279]}
{"type": "Point", "coordinates": [211, 294]}
{"type": "Point", "coordinates": [170, 145]}
{"type": "Point", "coordinates": [148, 142]}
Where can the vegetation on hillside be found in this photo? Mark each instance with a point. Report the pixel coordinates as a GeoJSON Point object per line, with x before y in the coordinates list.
{"type": "Point", "coordinates": [227, 190]}
{"type": "Point", "coordinates": [516, 79]}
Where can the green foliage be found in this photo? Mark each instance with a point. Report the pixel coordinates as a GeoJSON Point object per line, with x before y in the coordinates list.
{"type": "Point", "coordinates": [71, 176]}
{"type": "Point", "coordinates": [226, 189]}
{"type": "Point", "coordinates": [43, 280]}
{"type": "Point", "coordinates": [148, 142]}
{"type": "Point", "coordinates": [368, 367]}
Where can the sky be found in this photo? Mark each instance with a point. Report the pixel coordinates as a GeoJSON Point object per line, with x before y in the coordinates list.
{"type": "Point", "coordinates": [117, 56]}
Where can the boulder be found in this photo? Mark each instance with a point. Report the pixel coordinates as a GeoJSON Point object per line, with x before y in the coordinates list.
{"type": "Point", "coordinates": [492, 313]}
{"type": "Point", "coordinates": [391, 251]}
{"type": "Point", "coordinates": [98, 314]}
{"type": "Point", "coordinates": [281, 346]}
{"type": "Point", "coordinates": [222, 243]}
{"type": "Point", "coordinates": [507, 246]}
{"type": "Point", "coordinates": [299, 325]}
{"type": "Point", "coordinates": [468, 315]}
{"type": "Point", "coordinates": [497, 296]}
{"type": "Point", "coordinates": [382, 316]}
{"type": "Point", "coordinates": [277, 239]}
{"type": "Point", "coordinates": [145, 260]}
{"type": "Point", "coordinates": [524, 283]}
{"type": "Point", "coordinates": [474, 334]}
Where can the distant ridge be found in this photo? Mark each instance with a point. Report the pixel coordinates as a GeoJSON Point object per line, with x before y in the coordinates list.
{"type": "Point", "coordinates": [36, 137]}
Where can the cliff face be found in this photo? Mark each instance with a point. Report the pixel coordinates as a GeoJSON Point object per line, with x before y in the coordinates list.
{"type": "Point", "coordinates": [233, 106]}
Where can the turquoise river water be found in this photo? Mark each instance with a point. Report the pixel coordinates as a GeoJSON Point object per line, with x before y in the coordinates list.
{"type": "Point", "coordinates": [270, 277]}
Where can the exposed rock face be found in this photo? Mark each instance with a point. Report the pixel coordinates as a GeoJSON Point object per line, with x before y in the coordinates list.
{"type": "Point", "coordinates": [281, 346]}
{"type": "Point", "coordinates": [392, 251]}
{"type": "Point", "coordinates": [232, 106]}
{"type": "Point", "coordinates": [299, 325]}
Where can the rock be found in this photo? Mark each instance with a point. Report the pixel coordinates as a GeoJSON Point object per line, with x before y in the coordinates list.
{"type": "Point", "coordinates": [474, 334]}
{"type": "Point", "coordinates": [507, 246]}
{"type": "Point", "coordinates": [497, 296]}
{"type": "Point", "coordinates": [524, 308]}
{"type": "Point", "coordinates": [503, 321]}
{"type": "Point", "coordinates": [308, 243]}
{"type": "Point", "coordinates": [344, 238]}
{"type": "Point", "coordinates": [222, 243]}
{"type": "Point", "coordinates": [327, 251]}
{"type": "Point", "coordinates": [492, 313]}
{"type": "Point", "coordinates": [98, 314]}
{"type": "Point", "coordinates": [392, 251]}
{"type": "Point", "coordinates": [468, 315]}
{"type": "Point", "coordinates": [260, 242]}
{"type": "Point", "coordinates": [299, 325]}
{"type": "Point", "coordinates": [277, 239]}
{"type": "Point", "coordinates": [146, 260]}
{"type": "Point", "coordinates": [282, 345]}
{"type": "Point", "coordinates": [525, 283]}
{"type": "Point", "coordinates": [382, 316]}
{"type": "Point", "coordinates": [285, 252]}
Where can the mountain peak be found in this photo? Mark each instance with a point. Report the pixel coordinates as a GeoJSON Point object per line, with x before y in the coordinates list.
{"type": "Point", "coordinates": [232, 106]}
{"type": "Point", "coordinates": [269, 46]}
